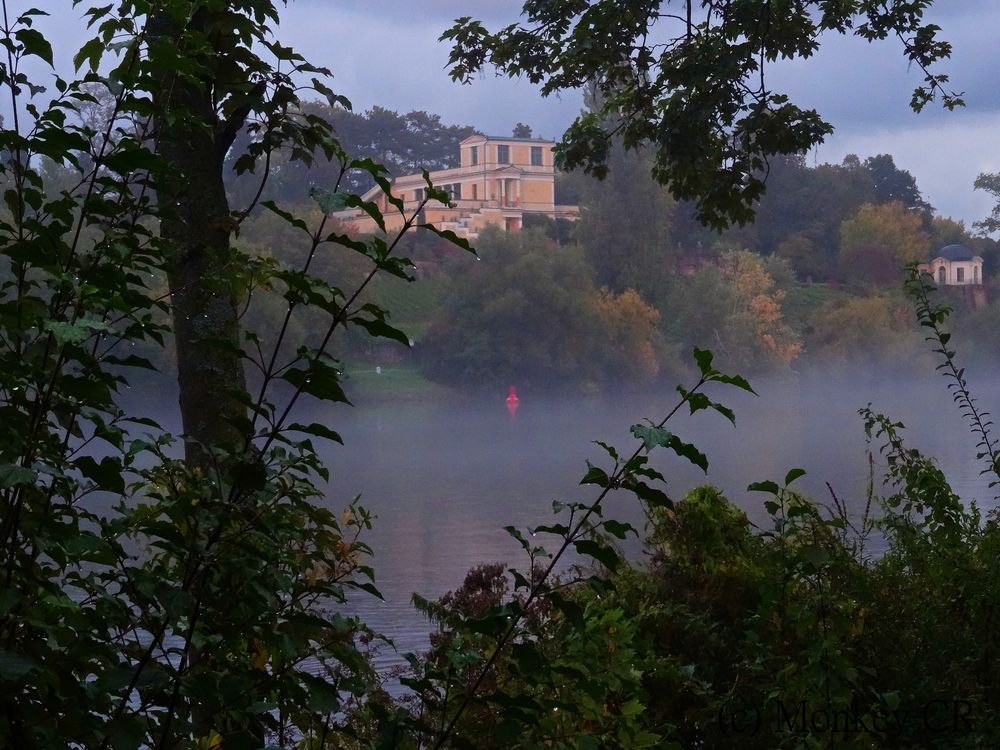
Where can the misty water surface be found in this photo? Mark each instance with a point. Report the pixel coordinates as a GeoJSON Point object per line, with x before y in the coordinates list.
{"type": "Point", "coordinates": [444, 477]}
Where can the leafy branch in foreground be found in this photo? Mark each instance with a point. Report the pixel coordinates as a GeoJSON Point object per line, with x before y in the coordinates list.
{"type": "Point", "coordinates": [583, 533]}
{"type": "Point", "coordinates": [146, 600]}
{"type": "Point", "coordinates": [932, 317]}
{"type": "Point", "coordinates": [690, 78]}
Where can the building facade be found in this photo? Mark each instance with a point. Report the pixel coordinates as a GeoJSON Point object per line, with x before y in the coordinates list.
{"type": "Point", "coordinates": [498, 182]}
{"type": "Point", "coordinates": [955, 265]}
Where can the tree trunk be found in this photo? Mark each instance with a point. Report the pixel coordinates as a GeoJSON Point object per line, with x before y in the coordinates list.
{"type": "Point", "coordinates": [197, 224]}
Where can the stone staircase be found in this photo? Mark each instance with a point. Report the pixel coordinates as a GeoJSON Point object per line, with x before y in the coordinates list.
{"type": "Point", "coordinates": [461, 225]}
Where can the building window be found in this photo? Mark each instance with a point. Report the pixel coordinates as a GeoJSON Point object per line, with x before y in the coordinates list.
{"type": "Point", "coordinates": [942, 276]}
{"type": "Point", "coordinates": [503, 154]}
{"type": "Point", "coordinates": [475, 191]}
{"type": "Point", "coordinates": [474, 155]}
{"type": "Point", "coordinates": [536, 156]}
{"type": "Point", "coordinates": [418, 194]}
{"type": "Point", "coordinates": [975, 274]}
{"type": "Point", "coordinates": [455, 190]}
{"type": "Point", "coordinates": [960, 275]}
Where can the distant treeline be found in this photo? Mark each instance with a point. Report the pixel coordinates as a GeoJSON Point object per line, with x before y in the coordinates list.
{"type": "Point", "coordinates": [620, 296]}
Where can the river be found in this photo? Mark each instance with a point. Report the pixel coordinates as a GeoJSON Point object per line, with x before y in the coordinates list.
{"type": "Point", "coordinates": [443, 478]}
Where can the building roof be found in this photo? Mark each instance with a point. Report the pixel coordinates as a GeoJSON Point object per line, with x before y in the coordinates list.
{"type": "Point", "coordinates": [481, 137]}
{"type": "Point", "coordinates": [955, 252]}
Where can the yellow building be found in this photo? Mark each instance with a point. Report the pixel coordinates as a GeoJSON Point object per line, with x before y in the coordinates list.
{"type": "Point", "coordinates": [498, 182]}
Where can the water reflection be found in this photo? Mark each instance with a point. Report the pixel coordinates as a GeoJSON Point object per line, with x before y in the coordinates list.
{"type": "Point", "coordinates": [444, 478]}
{"type": "Point", "coordinates": [512, 403]}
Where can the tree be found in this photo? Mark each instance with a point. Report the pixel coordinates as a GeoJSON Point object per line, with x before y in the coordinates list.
{"type": "Point", "coordinates": [147, 600]}
{"type": "Point", "coordinates": [879, 240]}
{"type": "Point", "coordinates": [713, 133]}
{"type": "Point", "coordinates": [990, 182]}
{"type": "Point", "coordinates": [402, 143]}
{"type": "Point", "coordinates": [947, 231]}
{"type": "Point", "coordinates": [529, 314]}
{"type": "Point", "coordinates": [893, 184]}
{"type": "Point", "coordinates": [631, 333]}
{"type": "Point", "coordinates": [625, 226]}
{"type": "Point", "coordinates": [197, 117]}
{"type": "Point", "coordinates": [522, 315]}
{"type": "Point", "coordinates": [734, 307]}
{"type": "Point", "coordinates": [522, 131]}
{"type": "Point", "coordinates": [810, 202]}
{"type": "Point", "coordinates": [801, 254]}
{"type": "Point", "coordinates": [876, 331]}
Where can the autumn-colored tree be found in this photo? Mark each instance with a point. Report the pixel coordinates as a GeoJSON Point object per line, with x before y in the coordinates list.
{"type": "Point", "coordinates": [735, 307]}
{"type": "Point", "coordinates": [879, 240]}
{"type": "Point", "coordinates": [631, 332]}
{"type": "Point", "coordinates": [760, 302]}
{"type": "Point", "coordinates": [874, 329]}
{"type": "Point", "coordinates": [529, 313]}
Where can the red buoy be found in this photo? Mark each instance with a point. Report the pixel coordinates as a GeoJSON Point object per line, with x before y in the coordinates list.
{"type": "Point", "coordinates": [512, 401]}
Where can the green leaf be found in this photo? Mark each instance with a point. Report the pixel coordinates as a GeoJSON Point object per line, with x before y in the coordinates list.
{"type": "Point", "coordinates": [601, 552]}
{"type": "Point", "coordinates": [130, 361]}
{"type": "Point", "coordinates": [527, 657]}
{"type": "Point", "coordinates": [688, 451]}
{"type": "Point", "coordinates": [15, 666]}
{"type": "Point", "coordinates": [554, 528]}
{"type": "Point", "coordinates": [90, 53]}
{"type": "Point", "coordinates": [290, 218]}
{"type": "Point", "coordinates": [74, 333]}
{"type": "Point", "coordinates": [608, 449]}
{"type": "Point", "coordinates": [450, 236]}
{"type": "Point", "coordinates": [319, 380]}
{"type": "Point", "coordinates": [355, 201]}
{"type": "Point", "coordinates": [793, 474]}
{"type": "Point", "coordinates": [618, 529]}
{"type": "Point", "coordinates": [378, 328]}
{"type": "Point", "coordinates": [515, 533]}
{"type": "Point", "coordinates": [767, 486]}
{"type": "Point", "coordinates": [317, 429]}
{"type": "Point", "coordinates": [596, 476]}
{"type": "Point", "coordinates": [327, 200]}
{"type": "Point", "coordinates": [323, 699]}
{"type": "Point", "coordinates": [34, 43]}
{"type": "Point", "coordinates": [695, 401]}
{"type": "Point", "coordinates": [737, 380]}
{"type": "Point", "coordinates": [815, 555]}
{"type": "Point", "coordinates": [107, 474]}
{"type": "Point", "coordinates": [725, 411]}
{"type": "Point", "coordinates": [386, 186]}
{"type": "Point", "coordinates": [87, 547]}
{"type": "Point", "coordinates": [651, 495]}
{"type": "Point", "coordinates": [11, 475]}
{"type": "Point", "coordinates": [249, 475]}
{"type": "Point", "coordinates": [703, 358]}
{"type": "Point", "coordinates": [651, 436]}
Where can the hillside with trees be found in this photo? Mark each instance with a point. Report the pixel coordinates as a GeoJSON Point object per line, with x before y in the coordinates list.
{"type": "Point", "coordinates": [818, 284]}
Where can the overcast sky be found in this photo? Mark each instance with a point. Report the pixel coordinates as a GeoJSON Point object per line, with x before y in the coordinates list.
{"type": "Point", "coordinates": [385, 52]}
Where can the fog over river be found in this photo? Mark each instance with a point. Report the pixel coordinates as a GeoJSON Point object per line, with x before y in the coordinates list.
{"type": "Point", "coordinates": [444, 477]}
